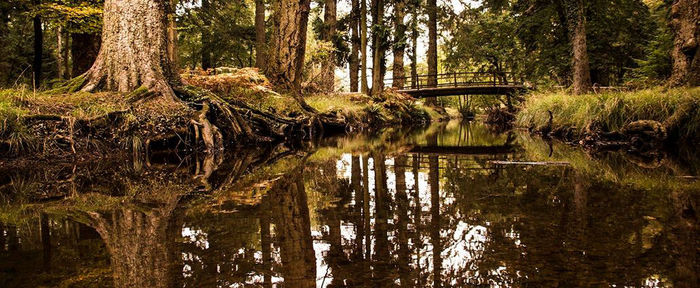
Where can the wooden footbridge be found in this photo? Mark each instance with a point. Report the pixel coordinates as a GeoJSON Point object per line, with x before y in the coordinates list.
{"type": "Point", "coordinates": [459, 83]}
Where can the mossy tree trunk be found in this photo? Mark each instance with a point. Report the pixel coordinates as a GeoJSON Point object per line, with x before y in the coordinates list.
{"type": "Point", "coordinates": [286, 61]}
{"type": "Point", "coordinates": [260, 39]}
{"type": "Point", "coordinates": [414, 47]}
{"type": "Point", "coordinates": [685, 24]}
{"type": "Point", "coordinates": [328, 66]}
{"type": "Point", "coordinates": [38, 46]}
{"type": "Point", "coordinates": [137, 49]}
{"type": "Point", "coordinates": [399, 43]}
{"type": "Point", "coordinates": [206, 34]}
{"type": "Point", "coordinates": [363, 46]}
{"type": "Point", "coordinates": [355, 50]}
{"type": "Point", "coordinates": [378, 49]}
{"type": "Point", "coordinates": [577, 26]}
{"type": "Point", "coordinates": [432, 49]}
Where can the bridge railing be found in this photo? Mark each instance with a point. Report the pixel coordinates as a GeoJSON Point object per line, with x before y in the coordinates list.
{"type": "Point", "coordinates": [456, 79]}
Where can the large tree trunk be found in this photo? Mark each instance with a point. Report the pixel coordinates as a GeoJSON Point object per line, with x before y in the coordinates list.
{"type": "Point", "coordinates": [260, 42]}
{"type": "Point", "coordinates": [38, 47]}
{"type": "Point", "coordinates": [399, 44]}
{"type": "Point", "coordinates": [206, 34]}
{"type": "Point", "coordinates": [685, 19]}
{"type": "Point", "coordinates": [432, 49]}
{"type": "Point", "coordinates": [355, 39]}
{"type": "Point", "coordinates": [328, 66]}
{"type": "Point", "coordinates": [577, 25]}
{"type": "Point", "coordinates": [287, 57]}
{"type": "Point", "coordinates": [84, 49]}
{"type": "Point", "coordinates": [137, 49]}
{"type": "Point", "coordinates": [378, 39]}
{"type": "Point", "coordinates": [363, 46]}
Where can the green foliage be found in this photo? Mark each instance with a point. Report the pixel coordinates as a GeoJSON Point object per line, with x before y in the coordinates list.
{"type": "Point", "coordinates": [75, 15]}
{"type": "Point", "coordinates": [228, 23]}
{"type": "Point", "coordinates": [483, 41]}
{"type": "Point", "coordinates": [532, 38]}
{"type": "Point", "coordinates": [655, 67]}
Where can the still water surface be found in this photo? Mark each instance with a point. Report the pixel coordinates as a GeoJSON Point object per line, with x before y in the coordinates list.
{"type": "Point", "coordinates": [423, 208]}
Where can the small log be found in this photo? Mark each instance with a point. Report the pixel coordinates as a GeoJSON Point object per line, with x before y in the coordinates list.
{"type": "Point", "coordinates": [530, 163]}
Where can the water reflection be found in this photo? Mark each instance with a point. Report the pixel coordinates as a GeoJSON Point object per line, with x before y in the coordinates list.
{"type": "Point", "coordinates": [424, 208]}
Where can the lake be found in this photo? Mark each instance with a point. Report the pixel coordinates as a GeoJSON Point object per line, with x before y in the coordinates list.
{"type": "Point", "coordinates": [450, 205]}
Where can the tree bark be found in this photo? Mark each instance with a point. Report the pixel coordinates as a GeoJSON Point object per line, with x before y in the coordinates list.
{"type": "Point", "coordinates": [378, 39]}
{"type": "Point", "coordinates": [355, 50]}
{"type": "Point", "coordinates": [414, 50]}
{"type": "Point", "coordinates": [60, 47]}
{"type": "Point", "coordinates": [38, 47]}
{"type": "Point", "coordinates": [260, 41]}
{"type": "Point", "coordinates": [287, 57]}
{"type": "Point", "coordinates": [432, 49]}
{"type": "Point", "coordinates": [685, 24]}
{"type": "Point", "coordinates": [84, 49]}
{"type": "Point", "coordinates": [363, 46]}
{"type": "Point", "coordinates": [399, 44]}
{"type": "Point", "coordinates": [206, 34]}
{"type": "Point", "coordinates": [577, 25]}
{"type": "Point", "coordinates": [137, 50]}
{"type": "Point", "coordinates": [328, 66]}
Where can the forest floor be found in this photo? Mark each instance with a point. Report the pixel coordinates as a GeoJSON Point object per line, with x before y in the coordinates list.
{"type": "Point", "coordinates": [643, 120]}
{"type": "Point", "coordinates": [50, 124]}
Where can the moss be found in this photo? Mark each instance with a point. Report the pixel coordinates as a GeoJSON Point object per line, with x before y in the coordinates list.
{"type": "Point", "coordinates": [69, 86]}
{"type": "Point", "coordinates": [613, 110]}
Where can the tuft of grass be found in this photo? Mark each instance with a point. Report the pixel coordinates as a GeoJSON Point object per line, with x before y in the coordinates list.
{"type": "Point", "coordinates": [335, 102]}
{"type": "Point", "coordinates": [613, 110]}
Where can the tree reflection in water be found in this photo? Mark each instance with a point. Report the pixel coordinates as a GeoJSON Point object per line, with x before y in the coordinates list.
{"type": "Point", "coordinates": [349, 215]}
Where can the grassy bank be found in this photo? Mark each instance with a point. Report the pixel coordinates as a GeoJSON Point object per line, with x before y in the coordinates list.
{"type": "Point", "coordinates": [613, 111]}
{"type": "Point", "coordinates": [239, 103]}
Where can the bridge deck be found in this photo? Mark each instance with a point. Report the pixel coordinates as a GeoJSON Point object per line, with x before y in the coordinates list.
{"type": "Point", "coordinates": [465, 90]}
{"type": "Point", "coordinates": [459, 83]}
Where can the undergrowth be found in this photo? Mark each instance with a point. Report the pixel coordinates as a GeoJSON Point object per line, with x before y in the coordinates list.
{"type": "Point", "coordinates": [612, 110]}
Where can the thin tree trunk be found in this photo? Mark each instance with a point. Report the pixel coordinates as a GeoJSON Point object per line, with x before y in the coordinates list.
{"type": "Point", "coordinates": [328, 65]}
{"type": "Point", "coordinates": [84, 49]}
{"type": "Point", "coordinates": [260, 41]}
{"type": "Point", "coordinates": [355, 41]}
{"type": "Point", "coordinates": [66, 56]}
{"type": "Point", "coordinates": [685, 24]}
{"type": "Point", "coordinates": [577, 24]}
{"type": "Point", "coordinates": [38, 47]}
{"type": "Point", "coordinates": [432, 49]}
{"type": "Point", "coordinates": [414, 49]}
{"type": "Point", "coordinates": [378, 47]}
{"type": "Point", "coordinates": [399, 44]}
{"type": "Point", "coordinates": [138, 48]}
{"type": "Point", "coordinates": [60, 46]}
{"type": "Point", "coordinates": [287, 57]}
{"type": "Point", "coordinates": [206, 34]}
{"type": "Point", "coordinates": [363, 46]}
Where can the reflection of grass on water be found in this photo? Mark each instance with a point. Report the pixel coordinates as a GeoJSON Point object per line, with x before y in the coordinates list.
{"type": "Point", "coordinates": [611, 166]}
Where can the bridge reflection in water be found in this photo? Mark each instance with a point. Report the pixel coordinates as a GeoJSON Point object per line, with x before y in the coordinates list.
{"type": "Point", "coordinates": [354, 212]}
